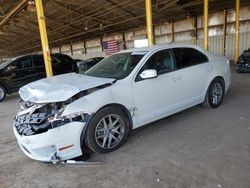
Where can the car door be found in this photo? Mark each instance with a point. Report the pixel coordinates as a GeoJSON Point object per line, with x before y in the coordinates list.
{"type": "Point", "coordinates": [155, 98]}
{"type": "Point", "coordinates": [21, 72]}
{"type": "Point", "coordinates": [191, 76]}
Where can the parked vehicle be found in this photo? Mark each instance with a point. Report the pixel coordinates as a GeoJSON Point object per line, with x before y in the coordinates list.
{"type": "Point", "coordinates": [86, 65]}
{"type": "Point", "coordinates": [62, 116]}
{"type": "Point", "coordinates": [23, 70]}
{"type": "Point", "coordinates": [79, 62]}
{"type": "Point", "coordinates": [243, 63]}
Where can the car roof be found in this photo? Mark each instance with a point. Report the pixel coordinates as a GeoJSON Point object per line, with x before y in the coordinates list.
{"type": "Point", "coordinates": [159, 46]}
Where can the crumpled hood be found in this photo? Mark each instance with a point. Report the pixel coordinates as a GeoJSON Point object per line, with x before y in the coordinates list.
{"type": "Point", "coordinates": [60, 88]}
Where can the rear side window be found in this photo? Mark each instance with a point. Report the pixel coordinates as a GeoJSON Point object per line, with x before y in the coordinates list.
{"type": "Point", "coordinates": [38, 61]}
{"type": "Point", "coordinates": [186, 57]}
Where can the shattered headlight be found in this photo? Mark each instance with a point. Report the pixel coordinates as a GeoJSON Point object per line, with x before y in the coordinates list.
{"type": "Point", "coordinates": [24, 105]}
{"type": "Point", "coordinates": [58, 120]}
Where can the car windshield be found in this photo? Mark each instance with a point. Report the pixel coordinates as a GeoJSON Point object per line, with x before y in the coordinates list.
{"type": "Point", "coordinates": [63, 58]}
{"type": "Point", "coordinates": [117, 66]}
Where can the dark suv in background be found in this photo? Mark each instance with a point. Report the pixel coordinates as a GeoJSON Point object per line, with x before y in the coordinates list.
{"type": "Point", "coordinates": [85, 65]}
{"type": "Point", "coordinates": [23, 70]}
{"type": "Point", "coordinates": [243, 63]}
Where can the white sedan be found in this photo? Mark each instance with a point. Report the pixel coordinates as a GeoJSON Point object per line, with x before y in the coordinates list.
{"type": "Point", "coordinates": [63, 115]}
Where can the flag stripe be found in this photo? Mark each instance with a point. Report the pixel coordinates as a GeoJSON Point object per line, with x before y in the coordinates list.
{"type": "Point", "coordinates": [110, 47]}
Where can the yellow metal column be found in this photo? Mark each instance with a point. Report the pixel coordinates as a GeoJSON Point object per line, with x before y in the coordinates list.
{"type": "Point", "coordinates": [205, 42]}
{"type": "Point", "coordinates": [224, 33]}
{"type": "Point", "coordinates": [236, 36]}
{"type": "Point", "coordinates": [148, 5]}
{"type": "Point", "coordinates": [44, 37]}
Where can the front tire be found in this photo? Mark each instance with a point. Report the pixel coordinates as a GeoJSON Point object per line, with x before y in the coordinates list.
{"type": "Point", "coordinates": [2, 93]}
{"type": "Point", "coordinates": [215, 93]}
{"type": "Point", "coordinates": [107, 131]}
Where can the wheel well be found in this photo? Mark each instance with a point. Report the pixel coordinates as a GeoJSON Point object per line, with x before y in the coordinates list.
{"type": "Point", "coordinates": [125, 111]}
{"type": "Point", "coordinates": [4, 88]}
{"type": "Point", "coordinates": [222, 79]}
{"type": "Point", "coordinates": [217, 77]}
{"type": "Point", "coordinates": [85, 149]}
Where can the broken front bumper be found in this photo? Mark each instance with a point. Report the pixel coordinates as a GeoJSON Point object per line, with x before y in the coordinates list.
{"type": "Point", "coordinates": [64, 141]}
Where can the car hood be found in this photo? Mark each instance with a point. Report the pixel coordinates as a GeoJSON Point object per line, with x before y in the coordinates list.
{"type": "Point", "coordinates": [60, 88]}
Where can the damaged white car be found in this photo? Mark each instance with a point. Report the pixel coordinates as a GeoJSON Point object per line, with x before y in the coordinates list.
{"type": "Point", "coordinates": [62, 115]}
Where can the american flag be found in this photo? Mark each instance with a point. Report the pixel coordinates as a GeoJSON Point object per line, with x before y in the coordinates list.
{"type": "Point", "coordinates": [110, 46]}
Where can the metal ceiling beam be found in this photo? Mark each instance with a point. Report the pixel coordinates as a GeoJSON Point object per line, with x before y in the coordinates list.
{"type": "Point", "coordinates": [95, 28]}
{"type": "Point", "coordinates": [124, 9]}
{"type": "Point", "coordinates": [17, 8]}
{"type": "Point", "coordinates": [1, 9]}
{"type": "Point", "coordinates": [79, 19]}
{"type": "Point", "coordinates": [76, 11]}
{"type": "Point", "coordinates": [91, 30]}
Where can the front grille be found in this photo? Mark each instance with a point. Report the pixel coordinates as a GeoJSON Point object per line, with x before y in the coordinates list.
{"type": "Point", "coordinates": [38, 123]}
{"type": "Point", "coordinates": [32, 124]}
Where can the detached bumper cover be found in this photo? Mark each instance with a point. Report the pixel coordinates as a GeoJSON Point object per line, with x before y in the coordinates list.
{"type": "Point", "coordinates": [44, 145]}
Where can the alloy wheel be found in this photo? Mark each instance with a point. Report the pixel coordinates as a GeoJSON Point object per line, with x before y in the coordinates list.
{"type": "Point", "coordinates": [2, 93]}
{"type": "Point", "coordinates": [109, 131]}
{"type": "Point", "coordinates": [216, 93]}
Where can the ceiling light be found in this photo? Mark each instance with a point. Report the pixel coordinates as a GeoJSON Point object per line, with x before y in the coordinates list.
{"type": "Point", "coordinates": [101, 28]}
{"type": "Point", "coordinates": [31, 6]}
{"type": "Point", "coordinates": [86, 26]}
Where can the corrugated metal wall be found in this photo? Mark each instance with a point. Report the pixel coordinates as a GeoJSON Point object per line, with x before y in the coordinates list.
{"type": "Point", "coordinates": [183, 33]}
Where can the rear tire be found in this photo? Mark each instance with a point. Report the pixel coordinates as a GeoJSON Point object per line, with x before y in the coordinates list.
{"type": "Point", "coordinates": [215, 93]}
{"type": "Point", "coordinates": [107, 131]}
{"type": "Point", "coordinates": [2, 93]}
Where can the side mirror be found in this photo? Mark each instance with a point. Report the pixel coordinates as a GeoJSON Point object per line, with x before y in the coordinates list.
{"type": "Point", "coordinates": [149, 73]}
{"type": "Point", "coordinates": [11, 67]}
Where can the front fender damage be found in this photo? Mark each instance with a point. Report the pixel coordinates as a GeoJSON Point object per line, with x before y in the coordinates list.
{"type": "Point", "coordinates": [90, 103]}
{"type": "Point", "coordinates": [41, 120]}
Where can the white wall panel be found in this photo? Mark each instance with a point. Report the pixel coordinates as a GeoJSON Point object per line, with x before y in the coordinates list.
{"type": "Point", "coordinates": [229, 47]}
{"type": "Point", "coordinates": [78, 45]}
{"type": "Point", "coordinates": [215, 45]}
{"type": "Point", "coordinates": [161, 39]}
{"type": "Point", "coordinates": [190, 41]}
{"type": "Point", "coordinates": [65, 48]}
{"type": "Point", "coordinates": [244, 42]}
{"type": "Point", "coordinates": [55, 50]}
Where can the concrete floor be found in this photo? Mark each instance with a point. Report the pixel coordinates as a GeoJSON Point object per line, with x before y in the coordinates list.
{"type": "Point", "coordinates": [199, 147]}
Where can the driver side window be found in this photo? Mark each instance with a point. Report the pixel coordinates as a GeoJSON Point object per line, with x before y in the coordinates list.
{"type": "Point", "coordinates": [161, 61]}
{"type": "Point", "coordinates": [24, 63]}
